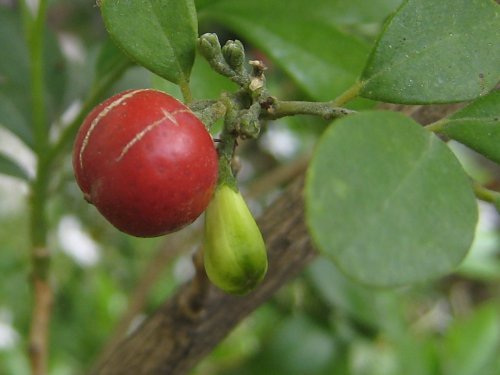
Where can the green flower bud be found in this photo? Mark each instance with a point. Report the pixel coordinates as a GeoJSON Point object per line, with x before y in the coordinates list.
{"type": "Point", "coordinates": [234, 252]}
{"type": "Point", "coordinates": [234, 54]}
{"type": "Point", "coordinates": [209, 46]}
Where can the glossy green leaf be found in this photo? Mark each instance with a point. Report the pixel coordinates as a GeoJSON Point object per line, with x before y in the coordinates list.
{"type": "Point", "coordinates": [10, 168]}
{"type": "Point", "coordinates": [436, 52]}
{"type": "Point", "coordinates": [158, 34]}
{"type": "Point", "coordinates": [471, 345]}
{"type": "Point", "coordinates": [388, 201]}
{"type": "Point", "coordinates": [322, 60]}
{"type": "Point", "coordinates": [477, 126]}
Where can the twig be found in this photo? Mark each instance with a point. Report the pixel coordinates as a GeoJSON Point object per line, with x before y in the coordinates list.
{"type": "Point", "coordinates": [279, 176]}
{"type": "Point", "coordinates": [193, 301]}
{"type": "Point", "coordinates": [328, 110]}
{"type": "Point", "coordinates": [485, 194]}
{"type": "Point", "coordinates": [173, 246]}
{"type": "Point", "coordinates": [350, 94]}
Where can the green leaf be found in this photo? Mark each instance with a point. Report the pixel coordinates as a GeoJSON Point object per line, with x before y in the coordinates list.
{"type": "Point", "coordinates": [14, 70]}
{"type": "Point", "coordinates": [313, 354]}
{"type": "Point", "coordinates": [471, 345]}
{"type": "Point", "coordinates": [425, 57]}
{"type": "Point", "coordinates": [15, 86]}
{"type": "Point", "coordinates": [348, 12]}
{"type": "Point", "coordinates": [109, 60]}
{"type": "Point", "coordinates": [321, 59]}
{"type": "Point", "coordinates": [388, 201]}
{"type": "Point", "coordinates": [158, 34]}
{"type": "Point", "coordinates": [338, 12]}
{"type": "Point", "coordinates": [368, 306]}
{"type": "Point", "coordinates": [477, 126]}
{"type": "Point", "coordinates": [10, 168]}
{"type": "Point", "coordinates": [14, 121]}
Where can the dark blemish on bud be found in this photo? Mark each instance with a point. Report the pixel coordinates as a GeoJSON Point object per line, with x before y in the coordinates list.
{"type": "Point", "coordinates": [481, 75]}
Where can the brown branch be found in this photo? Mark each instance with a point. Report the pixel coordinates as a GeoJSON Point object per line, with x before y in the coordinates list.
{"type": "Point", "coordinates": [177, 243]}
{"type": "Point", "coordinates": [279, 176]}
{"type": "Point", "coordinates": [189, 325]}
{"type": "Point", "coordinates": [173, 246]}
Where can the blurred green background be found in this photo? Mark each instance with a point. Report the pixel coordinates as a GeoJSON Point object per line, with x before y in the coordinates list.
{"type": "Point", "coordinates": [321, 323]}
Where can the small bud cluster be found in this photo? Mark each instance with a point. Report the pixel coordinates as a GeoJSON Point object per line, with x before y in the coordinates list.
{"type": "Point", "coordinates": [244, 110]}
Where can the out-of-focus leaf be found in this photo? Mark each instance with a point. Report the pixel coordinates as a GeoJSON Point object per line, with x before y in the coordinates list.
{"type": "Point", "coordinates": [109, 60]}
{"type": "Point", "coordinates": [15, 86]}
{"type": "Point", "coordinates": [296, 347]}
{"type": "Point", "coordinates": [342, 12]}
{"type": "Point", "coordinates": [471, 345]}
{"type": "Point", "coordinates": [477, 126]}
{"type": "Point", "coordinates": [11, 119]}
{"type": "Point", "coordinates": [388, 201]}
{"type": "Point", "coordinates": [365, 305]}
{"type": "Point", "coordinates": [321, 59]}
{"type": "Point", "coordinates": [424, 57]}
{"type": "Point", "coordinates": [14, 70]}
{"type": "Point", "coordinates": [10, 168]}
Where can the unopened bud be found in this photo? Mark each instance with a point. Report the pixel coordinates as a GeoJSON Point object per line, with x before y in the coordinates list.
{"type": "Point", "coordinates": [234, 54]}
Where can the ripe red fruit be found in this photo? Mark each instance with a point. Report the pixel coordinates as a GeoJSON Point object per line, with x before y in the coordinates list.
{"type": "Point", "coordinates": [146, 162]}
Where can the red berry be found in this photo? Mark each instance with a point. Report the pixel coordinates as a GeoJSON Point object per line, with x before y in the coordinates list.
{"type": "Point", "coordinates": [146, 162]}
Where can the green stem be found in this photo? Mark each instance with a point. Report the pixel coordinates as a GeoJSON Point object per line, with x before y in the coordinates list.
{"type": "Point", "coordinates": [226, 149]}
{"type": "Point", "coordinates": [39, 185]}
{"type": "Point", "coordinates": [27, 17]}
{"type": "Point", "coordinates": [350, 94]}
{"type": "Point", "coordinates": [437, 126]}
{"type": "Point", "coordinates": [41, 141]}
{"type": "Point", "coordinates": [186, 91]}
{"type": "Point", "coordinates": [485, 194]}
{"type": "Point", "coordinates": [35, 41]}
{"type": "Point", "coordinates": [228, 142]}
{"type": "Point", "coordinates": [40, 255]}
{"type": "Point", "coordinates": [208, 111]}
{"type": "Point", "coordinates": [327, 110]}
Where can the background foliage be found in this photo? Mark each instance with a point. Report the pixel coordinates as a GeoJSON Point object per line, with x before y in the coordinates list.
{"type": "Point", "coordinates": [322, 323]}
